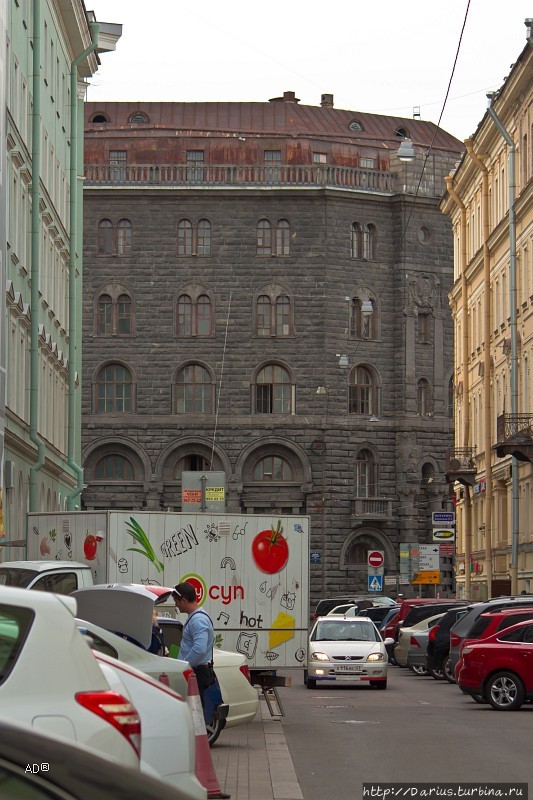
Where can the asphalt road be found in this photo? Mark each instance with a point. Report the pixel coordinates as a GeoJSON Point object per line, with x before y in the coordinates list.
{"type": "Point", "coordinates": [417, 730]}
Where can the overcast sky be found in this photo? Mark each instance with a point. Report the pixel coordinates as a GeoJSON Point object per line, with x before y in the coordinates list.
{"type": "Point", "coordinates": [373, 55]}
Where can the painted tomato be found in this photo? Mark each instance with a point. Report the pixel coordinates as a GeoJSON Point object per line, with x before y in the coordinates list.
{"type": "Point", "coordinates": [270, 550]}
{"type": "Point", "coordinates": [89, 547]}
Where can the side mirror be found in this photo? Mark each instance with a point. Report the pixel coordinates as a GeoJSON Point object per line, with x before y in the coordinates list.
{"type": "Point", "coordinates": [389, 641]}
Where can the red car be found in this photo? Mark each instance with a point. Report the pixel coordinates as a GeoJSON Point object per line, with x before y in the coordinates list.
{"type": "Point", "coordinates": [499, 669]}
{"type": "Point", "coordinates": [492, 622]}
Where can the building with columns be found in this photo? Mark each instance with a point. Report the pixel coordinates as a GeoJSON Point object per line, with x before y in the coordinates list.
{"type": "Point", "coordinates": [489, 200]}
{"type": "Point", "coordinates": [265, 294]}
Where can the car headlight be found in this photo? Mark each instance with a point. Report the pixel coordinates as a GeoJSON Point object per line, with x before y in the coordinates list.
{"type": "Point", "coordinates": [320, 656]}
{"type": "Point", "coordinates": [376, 657]}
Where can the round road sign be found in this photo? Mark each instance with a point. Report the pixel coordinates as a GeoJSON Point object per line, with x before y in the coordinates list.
{"type": "Point", "coordinates": [376, 558]}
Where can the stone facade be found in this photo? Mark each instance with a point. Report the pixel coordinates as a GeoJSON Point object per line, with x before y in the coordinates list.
{"type": "Point", "coordinates": [363, 456]}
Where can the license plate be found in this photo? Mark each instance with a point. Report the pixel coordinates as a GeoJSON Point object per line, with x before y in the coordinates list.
{"type": "Point", "coordinates": [349, 668]}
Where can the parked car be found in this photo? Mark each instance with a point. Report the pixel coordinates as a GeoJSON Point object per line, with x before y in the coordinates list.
{"type": "Point", "coordinates": [416, 652]}
{"type": "Point", "coordinates": [404, 636]}
{"type": "Point", "coordinates": [346, 650]}
{"type": "Point", "coordinates": [463, 626]}
{"type": "Point", "coordinates": [168, 742]}
{"type": "Point", "coordinates": [499, 669]}
{"type": "Point", "coordinates": [49, 678]}
{"type": "Point", "coordinates": [73, 771]}
{"type": "Point", "coordinates": [394, 623]}
{"type": "Point", "coordinates": [491, 622]}
{"type": "Point", "coordinates": [377, 613]}
{"type": "Point", "coordinates": [438, 645]}
{"type": "Point", "coordinates": [233, 675]}
{"type": "Point", "coordinates": [362, 601]}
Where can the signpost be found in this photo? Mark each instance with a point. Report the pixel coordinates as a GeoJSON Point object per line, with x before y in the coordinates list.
{"type": "Point", "coordinates": [427, 577]}
{"type": "Point", "coordinates": [376, 558]}
{"type": "Point", "coordinates": [375, 583]}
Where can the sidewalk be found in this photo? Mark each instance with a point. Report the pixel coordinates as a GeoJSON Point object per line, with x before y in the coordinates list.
{"type": "Point", "coordinates": [252, 762]}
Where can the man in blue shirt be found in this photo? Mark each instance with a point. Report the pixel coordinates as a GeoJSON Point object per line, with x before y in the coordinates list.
{"type": "Point", "coordinates": [198, 636]}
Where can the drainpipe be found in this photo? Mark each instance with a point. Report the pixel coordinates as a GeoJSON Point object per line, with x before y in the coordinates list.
{"type": "Point", "coordinates": [466, 388]}
{"type": "Point", "coordinates": [74, 243]}
{"type": "Point", "coordinates": [35, 257]}
{"type": "Point", "coordinates": [514, 339]}
{"type": "Point", "coordinates": [487, 398]}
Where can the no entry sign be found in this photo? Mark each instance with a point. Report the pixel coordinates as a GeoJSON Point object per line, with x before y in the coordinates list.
{"type": "Point", "coordinates": [376, 558]}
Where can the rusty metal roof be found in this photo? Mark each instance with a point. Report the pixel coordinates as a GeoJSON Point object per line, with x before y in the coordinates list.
{"type": "Point", "coordinates": [280, 118]}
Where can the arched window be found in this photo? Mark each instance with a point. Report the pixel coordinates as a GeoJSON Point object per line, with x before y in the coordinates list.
{"type": "Point", "coordinates": [273, 312]}
{"type": "Point", "coordinates": [283, 236]}
{"type": "Point", "coordinates": [113, 468]}
{"type": "Point", "coordinates": [369, 242]}
{"type": "Point", "coordinates": [357, 553]}
{"type": "Point", "coordinates": [203, 238]}
{"type": "Point", "coordinates": [363, 320]}
{"type": "Point", "coordinates": [264, 238]}
{"type": "Point", "coordinates": [193, 462]}
{"type": "Point", "coordinates": [195, 317]}
{"type": "Point", "coordinates": [194, 390]}
{"type": "Point", "coordinates": [273, 391]}
{"type": "Point", "coordinates": [114, 315]}
{"type": "Point", "coordinates": [272, 468]}
{"type": "Point", "coordinates": [105, 238]}
{"type": "Point", "coordinates": [283, 316]}
{"type": "Point", "coordinates": [363, 393]}
{"type": "Point", "coordinates": [138, 118]}
{"type": "Point", "coordinates": [124, 237]}
{"type": "Point", "coordinates": [356, 247]}
{"type": "Point", "coordinates": [423, 400]}
{"type": "Point", "coordinates": [105, 315]}
{"type": "Point", "coordinates": [184, 237]}
{"type": "Point", "coordinates": [264, 310]}
{"type": "Point", "coordinates": [365, 474]}
{"type": "Point", "coordinates": [114, 390]}
{"type": "Point", "coordinates": [99, 118]}
{"type": "Point", "coordinates": [124, 321]}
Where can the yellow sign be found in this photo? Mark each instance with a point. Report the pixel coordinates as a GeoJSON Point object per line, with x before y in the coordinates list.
{"type": "Point", "coordinates": [427, 576]}
{"type": "Point", "coordinates": [214, 493]}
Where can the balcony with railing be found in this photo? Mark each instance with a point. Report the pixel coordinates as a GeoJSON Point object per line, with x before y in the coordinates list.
{"type": "Point", "coordinates": [377, 509]}
{"type": "Point", "coordinates": [459, 465]}
{"type": "Point", "coordinates": [239, 176]}
{"type": "Point", "coordinates": [514, 433]}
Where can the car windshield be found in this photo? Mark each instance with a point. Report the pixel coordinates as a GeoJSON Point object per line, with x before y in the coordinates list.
{"type": "Point", "coordinates": [345, 632]}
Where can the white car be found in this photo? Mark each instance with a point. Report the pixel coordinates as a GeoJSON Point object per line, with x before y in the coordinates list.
{"type": "Point", "coordinates": [49, 678]}
{"type": "Point", "coordinates": [347, 650]}
{"type": "Point", "coordinates": [168, 736]}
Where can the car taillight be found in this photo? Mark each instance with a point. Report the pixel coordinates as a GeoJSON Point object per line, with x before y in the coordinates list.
{"type": "Point", "coordinates": [433, 632]}
{"type": "Point", "coordinates": [246, 672]}
{"type": "Point", "coordinates": [455, 640]}
{"type": "Point", "coordinates": [413, 641]}
{"type": "Point", "coordinates": [118, 711]}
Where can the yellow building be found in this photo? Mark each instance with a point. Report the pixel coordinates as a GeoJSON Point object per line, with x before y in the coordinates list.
{"type": "Point", "coordinates": [490, 201]}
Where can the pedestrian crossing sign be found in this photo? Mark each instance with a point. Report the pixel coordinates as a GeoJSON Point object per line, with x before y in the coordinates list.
{"type": "Point", "coordinates": [375, 583]}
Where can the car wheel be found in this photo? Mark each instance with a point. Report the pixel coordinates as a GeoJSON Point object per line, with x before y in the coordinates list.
{"type": "Point", "coordinates": [505, 691]}
{"type": "Point", "coordinates": [310, 683]}
{"type": "Point", "coordinates": [438, 674]}
{"type": "Point", "coordinates": [447, 669]}
{"type": "Point", "coordinates": [419, 669]}
{"type": "Point", "coordinates": [214, 729]}
{"type": "Point", "coordinates": [379, 684]}
{"type": "Point", "coordinates": [305, 677]}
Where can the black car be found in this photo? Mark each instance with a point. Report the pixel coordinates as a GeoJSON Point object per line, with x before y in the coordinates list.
{"type": "Point", "coordinates": [377, 613]}
{"type": "Point", "coordinates": [438, 648]}
{"type": "Point", "coordinates": [419, 613]}
{"type": "Point", "coordinates": [33, 765]}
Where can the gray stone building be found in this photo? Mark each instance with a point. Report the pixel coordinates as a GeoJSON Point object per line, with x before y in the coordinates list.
{"type": "Point", "coordinates": [265, 293]}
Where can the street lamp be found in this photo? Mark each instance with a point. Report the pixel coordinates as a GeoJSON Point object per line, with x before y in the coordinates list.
{"type": "Point", "coordinates": [406, 151]}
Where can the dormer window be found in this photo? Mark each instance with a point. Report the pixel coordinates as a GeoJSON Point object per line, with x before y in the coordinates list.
{"type": "Point", "coordinates": [138, 118]}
